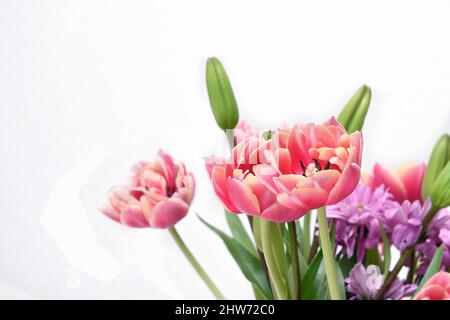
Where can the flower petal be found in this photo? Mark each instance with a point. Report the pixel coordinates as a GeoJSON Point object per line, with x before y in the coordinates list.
{"type": "Point", "coordinates": [242, 197]}
{"type": "Point", "coordinates": [134, 217]}
{"type": "Point", "coordinates": [395, 186]}
{"type": "Point", "coordinates": [167, 213]}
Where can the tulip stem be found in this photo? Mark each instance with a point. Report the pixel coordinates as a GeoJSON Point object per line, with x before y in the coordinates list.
{"type": "Point", "coordinates": [198, 268]}
{"type": "Point", "coordinates": [330, 264]}
{"type": "Point", "coordinates": [294, 259]}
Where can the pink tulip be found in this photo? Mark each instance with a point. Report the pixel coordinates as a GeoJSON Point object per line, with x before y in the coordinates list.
{"type": "Point", "coordinates": [244, 130]}
{"type": "Point", "coordinates": [405, 183]}
{"type": "Point", "coordinates": [436, 288]}
{"type": "Point", "coordinates": [320, 165]}
{"type": "Point", "coordinates": [158, 196]}
{"type": "Point", "coordinates": [304, 168]}
{"type": "Point", "coordinates": [237, 187]}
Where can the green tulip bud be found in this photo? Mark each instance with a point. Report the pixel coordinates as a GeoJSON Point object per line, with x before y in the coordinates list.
{"type": "Point", "coordinates": [440, 156]}
{"type": "Point", "coordinates": [354, 112]}
{"type": "Point", "coordinates": [440, 192]}
{"type": "Point", "coordinates": [221, 97]}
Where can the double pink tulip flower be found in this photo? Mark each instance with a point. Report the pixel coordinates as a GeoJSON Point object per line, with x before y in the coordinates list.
{"type": "Point", "coordinates": [405, 183]}
{"type": "Point", "coordinates": [158, 195]}
{"type": "Point", "coordinates": [436, 288]}
{"type": "Point", "coordinates": [297, 170]}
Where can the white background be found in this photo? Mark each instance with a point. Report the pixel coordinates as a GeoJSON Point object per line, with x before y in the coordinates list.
{"type": "Point", "coordinates": [89, 87]}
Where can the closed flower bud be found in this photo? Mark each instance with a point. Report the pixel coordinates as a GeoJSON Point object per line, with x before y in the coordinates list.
{"type": "Point", "coordinates": [440, 156]}
{"type": "Point", "coordinates": [221, 97]}
{"type": "Point", "coordinates": [353, 114]}
{"type": "Point", "coordinates": [440, 192]}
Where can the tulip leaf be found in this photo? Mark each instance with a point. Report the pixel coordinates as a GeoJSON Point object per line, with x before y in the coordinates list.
{"type": "Point", "coordinates": [239, 233]}
{"type": "Point", "coordinates": [221, 96]}
{"type": "Point", "coordinates": [354, 112]}
{"type": "Point", "coordinates": [247, 262]}
{"type": "Point", "coordinates": [315, 284]}
{"type": "Point", "coordinates": [433, 268]}
{"type": "Point", "coordinates": [309, 283]}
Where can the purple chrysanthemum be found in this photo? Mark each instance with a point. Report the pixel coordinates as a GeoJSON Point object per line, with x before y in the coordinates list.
{"type": "Point", "coordinates": [356, 219]}
{"type": "Point", "coordinates": [403, 222]}
{"type": "Point", "coordinates": [364, 284]}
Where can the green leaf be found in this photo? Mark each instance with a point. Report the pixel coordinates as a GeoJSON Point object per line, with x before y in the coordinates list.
{"type": "Point", "coordinates": [239, 233]}
{"type": "Point", "coordinates": [386, 250]}
{"type": "Point", "coordinates": [346, 265]}
{"type": "Point", "coordinates": [221, 96]}
{"type": "Point", "coordinates": [247, 262]}
{"type": "Point", "coordinates": [315, 284]}
{"type": "Point", "coordinates": [354, 112]}
{"type": "Point", "coordinates": [433, 268]}
{"type": "Point", "coordinates": [373, 257]}
{"type": "Point", "coordinates": [309, 283]}
{"type": "Point", "coordinates": [438, 159]}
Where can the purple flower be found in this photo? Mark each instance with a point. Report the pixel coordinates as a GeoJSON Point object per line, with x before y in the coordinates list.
{"type": "Point", "coordinates": [356, 218]}
{"type": "Point", "coordinates": [364, 284]}
{"type": "Point", "coordinates": [404, 222]}
{"type": "Point", "coordinates": [438, 233]}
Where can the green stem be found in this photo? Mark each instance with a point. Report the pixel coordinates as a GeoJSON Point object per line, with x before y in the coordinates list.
{"type": "Point", "coordinates": [198, 268]}
{"type": "Point", "coordinates": [330, 265]}
{"type": "Point", "coordinates": [294, 259]}
{"type": "Point", "coordinates": [272, 244]}
{"type": "Point", "coordinates": [412, 267]}
{"type": "Point", "coordinates": [307, 234]}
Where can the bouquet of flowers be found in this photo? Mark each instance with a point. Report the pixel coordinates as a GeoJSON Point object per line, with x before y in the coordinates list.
{"type": "Point", "coordinates": [319, 227]}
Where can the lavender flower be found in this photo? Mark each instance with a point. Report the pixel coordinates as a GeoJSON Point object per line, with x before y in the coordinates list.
{"type": "Point", "coordinates": [356, 218]}
{"type": "Point", "coordinates": [404, 222]}
{"type": "Point", "coordinates": [438, 233]}
{"type": "Point", "coordinates": [365, 283]}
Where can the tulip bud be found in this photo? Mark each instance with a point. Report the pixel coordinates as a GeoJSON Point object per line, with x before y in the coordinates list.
{"type": "Point", "coordinates": [440, 156]}
{"type": "Point", "coordinates": [440, 192]}
{"type": "Point", "coordinates": [221, 97]}
{"type": "Point", "coordinates": [353, 114]}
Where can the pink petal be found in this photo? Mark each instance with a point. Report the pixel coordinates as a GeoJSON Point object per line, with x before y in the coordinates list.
{"type": "Point", "coordinates": [242, 197]}
{"type": "Point", "coordinates": [265, 197]}
{"type": "Point", "coordinates": [266, 173]}
{"type": "Point", "coordinates": [432, 292]}
{"type": "Point", "coordinates": [383, 176]}
{"type": "Point", "coordinates": [110, 213]}
{"type": "Point", "coordinates": [297, 148]}
{"type": "Point", "coordinates": [134, 217]}
{"type": "Point", "coordinates": [219, 181]}
{"type": "Point", "coordinates": [356, 141]}
{"type": "Point", "coordinates": [326, 179]}
{"type": "Point", "coordinates": [441, 278]}
{"type": "Point", "coordinates": [167, 213]}
{"type": "Point", "coordinates": [287, 182]}
{"type": "Point", "coordinates": [278, 213]}
{"type": "Point", "coordinates": [345, 185]}
{"type": "Point", "coordinates": [412, 177]}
